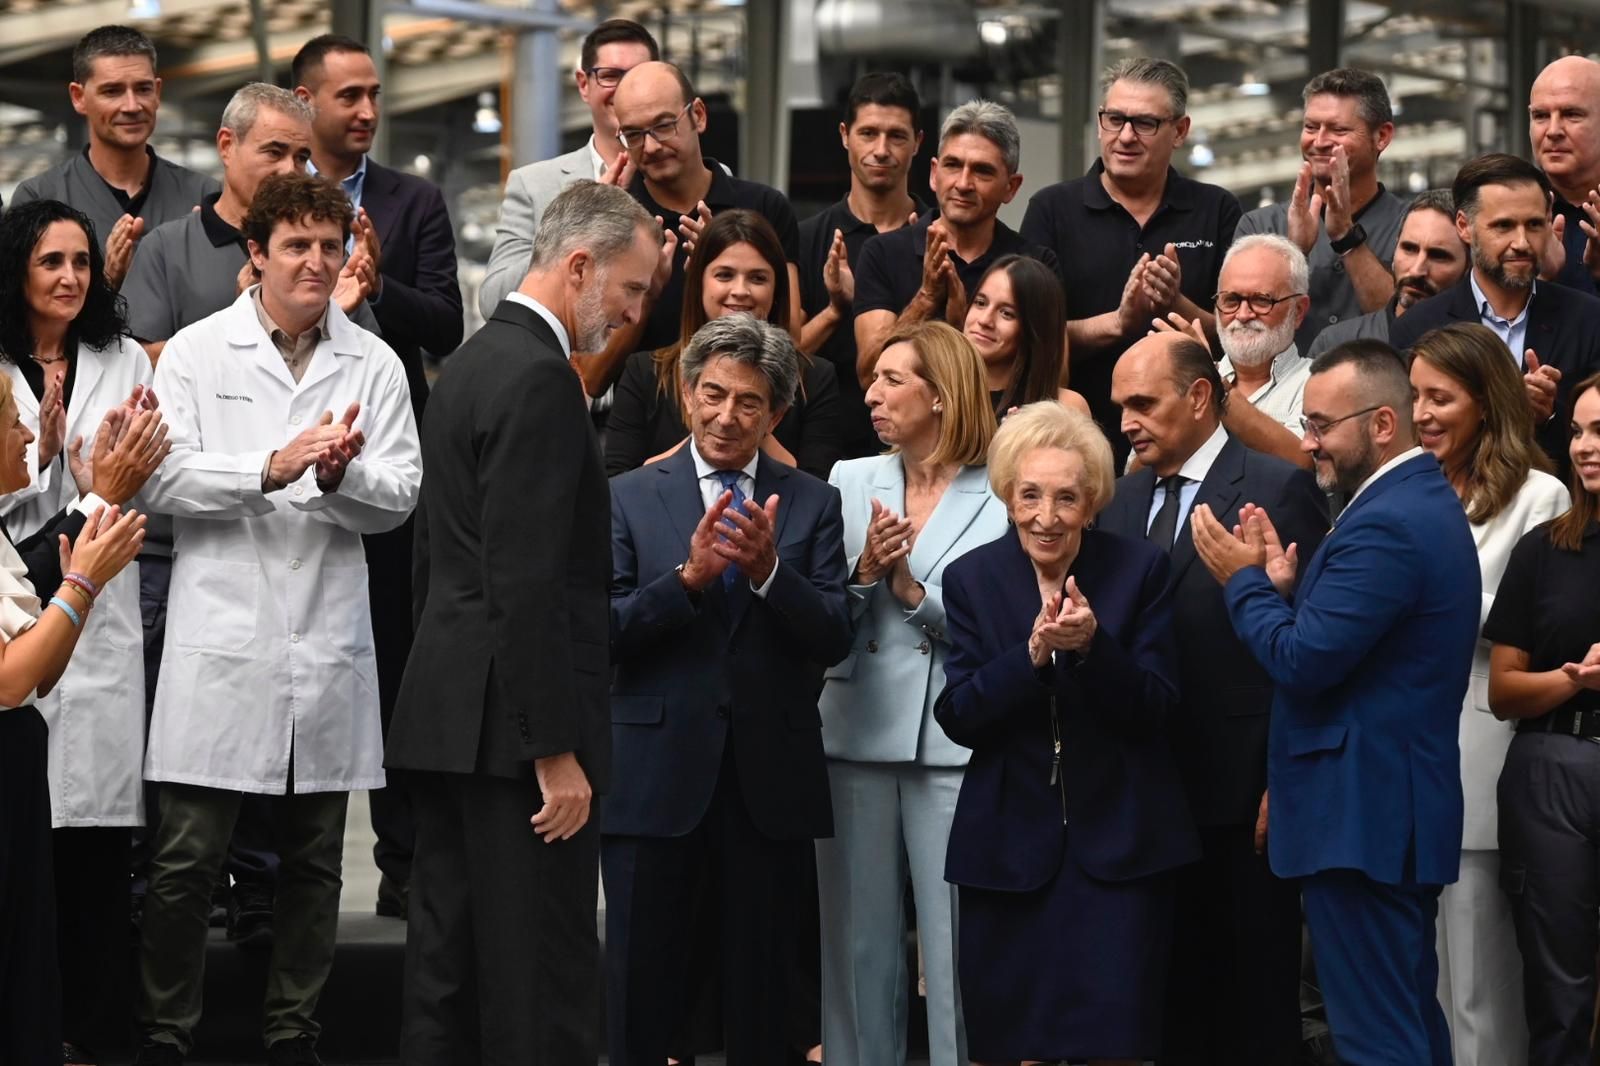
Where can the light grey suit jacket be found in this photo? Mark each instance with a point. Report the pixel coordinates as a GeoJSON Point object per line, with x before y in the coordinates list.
{"type": "Point", "coordinates": [529, 191]}
{"type": "Point", "coordinates": [877, 705]}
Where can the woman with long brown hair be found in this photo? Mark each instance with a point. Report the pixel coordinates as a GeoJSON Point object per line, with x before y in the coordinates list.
{"type": "Point", "coordinates": [1017, 321]}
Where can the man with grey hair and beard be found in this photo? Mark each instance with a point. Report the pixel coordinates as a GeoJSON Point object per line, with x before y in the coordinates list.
{"type": "Point", "coordinates": [502, 722]}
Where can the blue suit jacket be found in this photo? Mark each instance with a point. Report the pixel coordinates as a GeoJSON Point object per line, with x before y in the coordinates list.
{"type": "Point", "coordinates": [1371, 662]}
{"type": "Point", "coordinates": [690, 674]}
{"type": "Point", "coordinates": [1119, 790]}
{"type": "Point", "coordinates": [877, 705]}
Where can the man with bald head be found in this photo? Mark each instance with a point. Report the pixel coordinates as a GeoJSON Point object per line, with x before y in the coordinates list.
{"type": "Point", "coordinates": [1233, 989]}
{"type": "Point", "coordinates": [659, 124]}
{"type": "Point", "coordinates": [1564, 128]}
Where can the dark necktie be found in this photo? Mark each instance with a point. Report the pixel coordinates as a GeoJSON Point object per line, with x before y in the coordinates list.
{"type": "Point", "coordinates": [730, 483]}
{"type": "Point", "coordinates": [1165, 527]}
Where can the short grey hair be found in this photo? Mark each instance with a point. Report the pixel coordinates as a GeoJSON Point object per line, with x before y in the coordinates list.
{"type": "Point", "coordinates": [750, 341]}
{"type": "Point", "coordinates": [993, 122]}
{"type": "Point", "coordinates": [240, 115]}
{"type": "Point", "coordinates": [1299, 269]}
{"type": "Point", "coordinates": [1145, 70]}
{"type": "Point", "coordinates": [1366, 88]}
{"type": "Point", "coordinates": [601, 219]}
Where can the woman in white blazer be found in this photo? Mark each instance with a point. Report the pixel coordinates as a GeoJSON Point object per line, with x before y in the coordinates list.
{"type": "Point", "coordinates": [64, 347]}
{"type": "Point", "coordinates": [894, 775]}
{"type": "Point", "coordinates": [1471, 412]}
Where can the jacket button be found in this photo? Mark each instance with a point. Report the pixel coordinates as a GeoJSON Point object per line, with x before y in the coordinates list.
{"type": "Point", "coordinates": [722, 711]}
{"type": "Point", "coordinates": [872, 646]}
{"type": "Point", "coordinates": [923, 647]}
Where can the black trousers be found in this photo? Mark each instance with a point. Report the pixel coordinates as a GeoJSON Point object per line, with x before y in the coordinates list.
{"type": "Point", "coordinates": [654, 886]}
{"type": "Point", "coordinates": [93, 936]}
{"type": "Point", "coordinates": [502, 951]}
{"type": "Point", "coordinates": [389, 592]}
{"type": "Point", "coordinates": [1233, 985]}
{"type": "Point", "coordinates": [30, 988]}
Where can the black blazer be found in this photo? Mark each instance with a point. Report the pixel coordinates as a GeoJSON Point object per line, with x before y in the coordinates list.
{"type": "Point", "coordinates": [1563, 330]}
{"type": "Point", "coordinates": [691, 673]}
{"type": "Point", "coordinates": [41, 550]}
{"type": "Point", "coordinates": [512, 561]}
{"type": "Point", "coordinates": [1225, 697]}
{"type": "Point", "coordinates": [1117, 788]}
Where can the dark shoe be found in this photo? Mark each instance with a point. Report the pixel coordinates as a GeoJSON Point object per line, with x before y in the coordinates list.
{"type": "Point", "coordinates": [295, 1051]}
{"type": "Point", "coordinates": [155, 1053]}
{"type": "Point", "coordinates": [250, 916]}
{"type": "Point", "coordinates": [73, 1055]}
{"type": "Point", "coordinates": [394, 898]}
{"type": "Point", "coordinates": [217, 918]}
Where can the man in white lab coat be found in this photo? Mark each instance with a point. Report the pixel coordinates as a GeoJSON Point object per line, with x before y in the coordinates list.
{"type": "Point", "coordinates": [267, 682]}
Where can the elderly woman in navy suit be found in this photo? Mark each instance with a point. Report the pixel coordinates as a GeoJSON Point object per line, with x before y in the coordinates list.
{"type": "Point", "coordinates": [1061, 678]}
{"type": "Point", "coordinates": [893, 773]}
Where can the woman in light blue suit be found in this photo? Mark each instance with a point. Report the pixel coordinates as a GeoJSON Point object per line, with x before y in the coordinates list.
{"type": "Point", "coordinates": [893, 773]}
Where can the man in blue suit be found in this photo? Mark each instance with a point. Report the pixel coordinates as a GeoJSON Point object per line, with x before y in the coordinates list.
{"type": "Point", "coordinates": [1370, 658]}
{"type": "Point", "coordinates": [727, 603]}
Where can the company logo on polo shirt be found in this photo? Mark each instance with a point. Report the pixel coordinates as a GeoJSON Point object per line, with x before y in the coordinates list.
{"type": "Point", "coordinates": [1202, 243]}
{"type": "Point", "coordinates": [235, 396]}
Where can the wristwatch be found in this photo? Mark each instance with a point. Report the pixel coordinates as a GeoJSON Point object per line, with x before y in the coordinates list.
{"type": "Point", "coordinates": [1354, 238]}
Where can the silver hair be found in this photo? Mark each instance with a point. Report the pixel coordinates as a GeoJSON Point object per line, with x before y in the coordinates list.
{"type": "Point", "coordinates": [747, 340]}
{"type": "Point", "coordinates": [991, 121]}
{"type": "Point", "coordinates": [601, 219]}
{"type": "Point", "coordinates": [1299, 269]}
{"type": "Point", "coordinates": [242, 111]}
{"type": "Point", "coordinates": [1145, 70]}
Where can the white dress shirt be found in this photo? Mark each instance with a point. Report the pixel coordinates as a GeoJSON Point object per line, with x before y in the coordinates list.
{"type": "Point", "coordinates": [1194, 471]}
{"type": "Point", "coordinates": [549, 316]}
{"type": "Point", "coordinates": [711, 488]}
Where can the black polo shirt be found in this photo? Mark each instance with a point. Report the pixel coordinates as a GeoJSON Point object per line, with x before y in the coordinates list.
{"type": "Point", "coordinates": [1546, 605]}
{"type": "Point", "coordinates": [816, 237]}
{"type": "Point", "coordinates": [1098, 242]}
{"type": "Point", "coordinates": [725, 194]}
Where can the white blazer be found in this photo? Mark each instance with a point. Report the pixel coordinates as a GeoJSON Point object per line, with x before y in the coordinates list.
{"type": "Point", "coordinates": [269, 632]}
{"type": "Point", "coordinates": [96, 711]}
{"type": "Point", "coordinates": [1484, 738]}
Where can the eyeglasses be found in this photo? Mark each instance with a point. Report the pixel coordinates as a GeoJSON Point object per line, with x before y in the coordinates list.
{"type": "Point", "coordinates": [661, 131]}
{"type": "Point", "coordinates": [1261, 303]}
{"type": "Point", "coordinates": [1319, 429]}
{"type": "Point", "coordinates": [1143, 125]}
{"type": "Point", "coordinates": [606, 77]}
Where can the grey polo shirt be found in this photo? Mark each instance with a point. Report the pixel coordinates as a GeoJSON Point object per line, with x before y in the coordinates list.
{"type": "Point", "coordinates": [1374, 325]}
{"type": "Point", "coordinates": [1333, 298]}
{"type": "Point", "coordinates": [171, 192]}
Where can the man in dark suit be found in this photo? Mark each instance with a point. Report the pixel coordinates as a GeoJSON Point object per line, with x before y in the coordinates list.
{"type": "Point", "coordinates": [1370, 656]}
{"type": "Point", "coordinates": [501, 719]}
{"type": "Point", "coordinates": [727, 603]}
{"type": "Point", "coordinates": [1553, 332]}
{"type": "Point", "coordinates": [404, 226]}
{"type": "Point", "coordinates": [1232, 991]}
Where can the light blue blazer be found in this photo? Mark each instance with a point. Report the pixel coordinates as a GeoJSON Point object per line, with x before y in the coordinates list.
{"type": "Point", "coordinates": [877, 705]}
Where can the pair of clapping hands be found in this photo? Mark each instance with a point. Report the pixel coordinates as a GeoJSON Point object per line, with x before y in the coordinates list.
{"type": "Point", "coordinates": [1252, 542]}
{"type": "Point", "coordinates": [328, 446]}
{"type": "Point", "coordinates": [129, 445]}
{"type": "Point", "coordinates": [1066, 622]}
{"type": "Point", "coordinates": [726, 536]}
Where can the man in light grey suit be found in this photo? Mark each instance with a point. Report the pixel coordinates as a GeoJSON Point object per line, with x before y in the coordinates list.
{"type": "Point", "coordinates": [610, 50]}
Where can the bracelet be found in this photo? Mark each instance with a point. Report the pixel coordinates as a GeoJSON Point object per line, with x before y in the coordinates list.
{"type": "Point", "coordinates": [67, 586]}
{"type": "Point", "coordinates": [88, 586]}
{"type": "Point", "coordinates": [77, 619]}
{"type": "Point", "coordinates": [81, 584]}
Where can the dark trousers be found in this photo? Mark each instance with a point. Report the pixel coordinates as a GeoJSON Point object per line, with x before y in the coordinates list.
{"type": "Point", "coordinates": [1232, 993]}
{"type": "Point", "coordinates": [389, 592]}
{"type": "Point", "coordinates": [30, 990]}
{"type": "Point", "coordinates": [502, 952]}
{"type": "Point", "coordinates": [92, 933]}
{"type": "Point", "coordinates": [1549, 796]}
{"type": "Point", "coordinates": [653, 883]}
{"type": "Point", "coordinates": [1376, 959]}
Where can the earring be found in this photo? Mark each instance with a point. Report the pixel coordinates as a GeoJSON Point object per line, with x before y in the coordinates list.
{"type": "Point", "coordinates": [937, 408]}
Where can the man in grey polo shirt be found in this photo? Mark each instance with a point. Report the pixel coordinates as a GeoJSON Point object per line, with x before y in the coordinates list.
{"type": "Point", "coordinates": [1340, 216]}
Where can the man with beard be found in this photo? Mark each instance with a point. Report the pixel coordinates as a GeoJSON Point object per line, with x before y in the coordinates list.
{"type": "Point", "coordinates": [1429, 257]}
{"type": "Point", "coordinates": [1553, 332]}
{"type": "Point", "coordinates": [1370, 655]}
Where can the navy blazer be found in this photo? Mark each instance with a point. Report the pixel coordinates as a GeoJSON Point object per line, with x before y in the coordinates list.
{"type": "Point", "coordinates": [691, 672]}
{"type": "Point", "coordinates": [1220, 734]}
{"type": "Point", "coordinates": [1118, 790]}
{"type": "Point", "coordinates": [1563, 331]}
{"type": "Point", "coordinates": [1371, 663]}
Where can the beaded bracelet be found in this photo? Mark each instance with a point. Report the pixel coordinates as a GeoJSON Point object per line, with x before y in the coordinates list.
{"type": "Point", "coordinates": [88, 586]}
{"type": "Point", "coordinates": [77, 620]}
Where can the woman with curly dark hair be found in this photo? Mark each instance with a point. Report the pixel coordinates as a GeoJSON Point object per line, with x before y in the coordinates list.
{"type": "Point", "coordinates": [65, 349]}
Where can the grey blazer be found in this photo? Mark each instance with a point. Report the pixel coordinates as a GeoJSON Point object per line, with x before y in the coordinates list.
{"type": "Point", "coordinates": [529, 191]}
{"type": "Point", "coordinates": [877, 705]}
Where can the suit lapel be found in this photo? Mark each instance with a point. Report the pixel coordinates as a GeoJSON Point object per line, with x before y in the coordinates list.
{"type": "Point", "coordinates": [1462, 306]}
{"type": "Point", "coordinates": [955, 511]}
{"type": "Point", "coordinates": [1220, 491]}
{"type": "Point", "coordinates": [378, 201]}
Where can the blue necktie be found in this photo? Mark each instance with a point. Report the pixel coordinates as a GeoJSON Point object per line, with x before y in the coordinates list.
{"type": "Point", "coordinates": [730, 483]}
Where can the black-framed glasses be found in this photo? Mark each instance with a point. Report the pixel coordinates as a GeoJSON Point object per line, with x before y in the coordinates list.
{"type": "Point", "coordinates": [663, 132]}
{"type": "Point", "coordinates": [1143, 125]}
{"type": "Point", "coordinates": [1317, 429]}
{"type": "Point", "coordinates": [606, 77]}
{"type": "Point", "coordinates": [1261, 303]}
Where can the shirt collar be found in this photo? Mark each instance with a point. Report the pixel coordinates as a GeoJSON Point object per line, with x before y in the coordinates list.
{"type": "Point", "coordinates": [1197, 466]}
{"type": "Point", "coordinates": [846, 220]}
{"type": "Point", "coordinates": [719, 195]}
{"type": "Point", "coordinates": [352, 185]}
{"type": "Point", "coordinates": [318, 329]}
{"type": "Point", "coordinates": [1177, 193]}
{"type": "Point", "coordinates": [1486, 309]}
{"type": "Point", "coordinates": [596, 160]}
{"type": "Point", "coordinates": [1283, 364]}
{"type": "Point", "coordinates": [549, 316]}
{"type": "Point", "coordinates": [1382, 470]}
{"type": "Point", "coordinates": [703, 469]}
{"type": "Point", "coordinates": [218, 231]}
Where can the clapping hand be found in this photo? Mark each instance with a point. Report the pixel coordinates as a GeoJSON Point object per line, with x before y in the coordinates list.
{"type": "Point", "coordinates": [52, 421]}
{"type": "Point", "coordinates": [1065, 623]}
{"type": "Point", "coordinates": [128, 447]}
{"type": "Point", "coordinates": [1224, 553]}
{"type": "Point", "coordinates": [1540, 381]}
{"type": "Point", "coordinates": [1305, 211]}
{"type": "Point", "coordinates": [937, 270]}
{"type": "Point", "coordinates": [1163, 279]}
{"type": "Point", "coordinates": [888, 543]}
{"type": "Point", "coordinates": [340, 451]}
{"type": "Point", "coordinates": [1281, 563]}
{"type": "Point", "coordinates": [120, 244]}
{"type": "Point", "coordinates": [691, 226]}
{"type": "Point", "coordinates": [358, 279]}
{"type": "Point", "coordinates": [747, 539]}
{"type": "Point", "coordinates": [705, 563]}
{"type": "Point", "coordinates": [837, 277]}
{"type": "Point", "coordinates": [1135, 307]}
{"type": "Point", "coordinates": [669, 253]}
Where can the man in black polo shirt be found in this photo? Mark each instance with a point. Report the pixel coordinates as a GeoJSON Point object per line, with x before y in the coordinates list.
{"type": "Point", "coordinates": [931, 269]}
{"type": "Point", "coordinates": [1136, 239]}
{"type": "Point", "coordinates": [881, 133]}
{"type": "Point", "coordinates": [1564, 128]}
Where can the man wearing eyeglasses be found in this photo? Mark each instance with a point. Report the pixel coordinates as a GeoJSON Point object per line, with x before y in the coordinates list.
{"type": "Point", "coordinates": [1135, 238]}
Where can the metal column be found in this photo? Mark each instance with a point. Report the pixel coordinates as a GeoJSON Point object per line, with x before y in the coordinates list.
{"type": "Point", "coordinates": [363, 20]}
{"type": "Point", "coordinates": [536, 86]}
{"type": "Point", "coordinates": [764, 137]}
{"type": "Point", "coordinates": [1079, 31]}
{"type": "Point", "coordinates": [1324, 36]}
{"type": "Point", "coordinates": [1522, 66]}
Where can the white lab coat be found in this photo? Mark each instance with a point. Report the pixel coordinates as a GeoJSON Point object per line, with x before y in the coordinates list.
{"type": "Point", "coordinates": [269, 633]}
{"type": "Point", "coordinates": [96, 710]}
